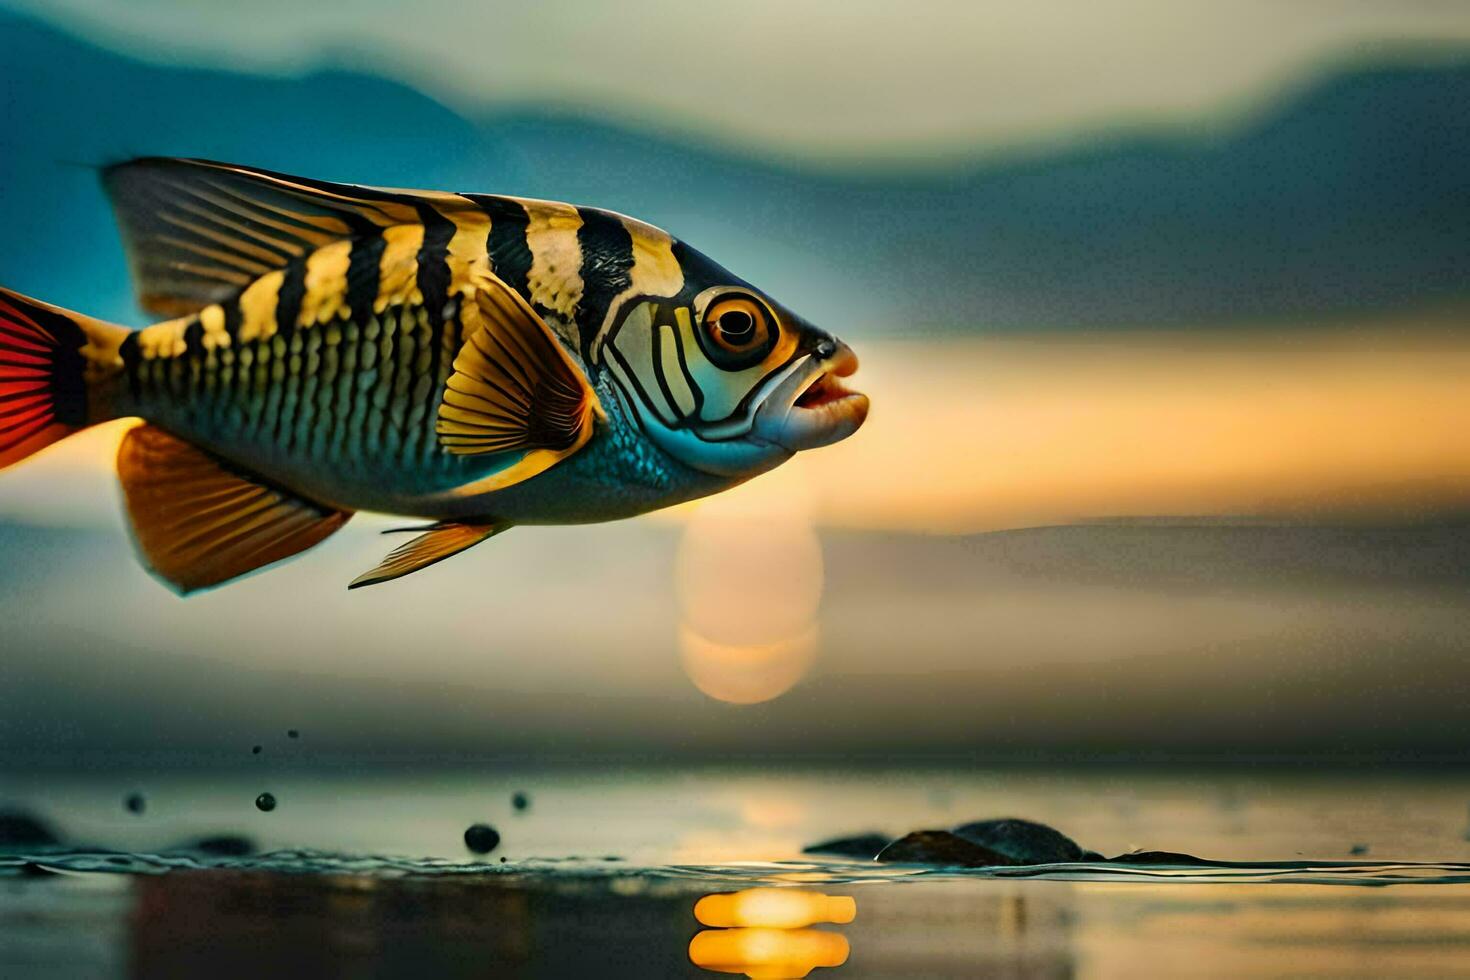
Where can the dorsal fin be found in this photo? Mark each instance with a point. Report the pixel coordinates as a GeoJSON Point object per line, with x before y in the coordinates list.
{"type": "Point", "coordinates": [199, 523]}
{"type": "Point", "coordinates": [197, 232]}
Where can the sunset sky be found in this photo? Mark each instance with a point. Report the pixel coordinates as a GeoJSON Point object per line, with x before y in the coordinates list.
{"type": "Point", "coordinates": [1164, 328]}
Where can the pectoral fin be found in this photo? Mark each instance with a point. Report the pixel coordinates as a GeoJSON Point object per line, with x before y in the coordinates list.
{"type": "Point", "coordinates": [441, 541]}
{"type": "Point", "coordinates": [199, 522]}
{"type": "Point", "coordinates": [514, 391]}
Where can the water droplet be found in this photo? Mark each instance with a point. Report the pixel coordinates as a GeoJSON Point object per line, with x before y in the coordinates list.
{"type": "Point", "coordinates": [481, 838]}
{"type": "Point", "coordinates": [136, 802]}
{"type": "Point", "coordinates": [521, 800]}
{"type": "Point", "coordinates": [265, 803]}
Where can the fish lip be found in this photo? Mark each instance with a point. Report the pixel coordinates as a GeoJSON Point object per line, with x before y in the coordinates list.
{"type": "Point", "coordinates": [839, 413]}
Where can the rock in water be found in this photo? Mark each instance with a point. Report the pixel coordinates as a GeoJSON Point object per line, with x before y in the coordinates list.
{"type": "Point", "coordinates": [942, 847]}
{"type": "Point", "coordinates": [1163, 857]}
{"type": "Point", "coordinates": [21, 829]}
{"type": "Point", "coordinates": [1024, 841]}
{"type": "Point", "coordinates": [220, 845]}
{"type": "Point", "coordinates": [863, 846]}
{"type": "Point", "coordinates": [481, 838]}
{"type": "Point", "coordinates": [265, 803]}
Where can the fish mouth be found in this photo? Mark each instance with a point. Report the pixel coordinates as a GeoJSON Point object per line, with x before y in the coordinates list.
{"type": "Point", "coordinates": [813, 408]}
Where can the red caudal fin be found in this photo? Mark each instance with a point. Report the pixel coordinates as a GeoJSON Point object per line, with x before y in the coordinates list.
{"type": "Point", "coordinates": [43, 391]}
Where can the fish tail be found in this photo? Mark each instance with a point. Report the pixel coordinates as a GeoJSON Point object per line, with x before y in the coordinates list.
{"type": "Point", "coordinates": [45, 353]}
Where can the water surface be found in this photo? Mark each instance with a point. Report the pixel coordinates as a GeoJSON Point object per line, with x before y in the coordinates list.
{"type": "Point", "coordinates": [367, 874]}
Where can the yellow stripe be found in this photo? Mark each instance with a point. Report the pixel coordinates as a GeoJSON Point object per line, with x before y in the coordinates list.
{"type": "Point", "coordinates": [678, 386]}
{"type": "Point", "coordinates": [326, 283]}
{"type": "Point", "coordinates": [164, 339]}
{"type": "Point", "coordinates": [399, 268]}
{"type": "Point", "coordinates": [534, 463]}
{"type": "Point", "coordinates": [468, 258]}
{"type": "Point", "coordinates": [258, 307]}
{"type": "Point", "coordinates": [212, 318]}
{"type": "Point", "coordinates": [555, 279]}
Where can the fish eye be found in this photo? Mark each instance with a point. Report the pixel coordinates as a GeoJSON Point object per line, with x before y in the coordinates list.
{"type": "Point", "coordinates": [739, 325]}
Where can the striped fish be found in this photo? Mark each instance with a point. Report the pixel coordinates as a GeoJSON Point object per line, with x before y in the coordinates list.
{"type": "Point", "coordinates": [472, 360]}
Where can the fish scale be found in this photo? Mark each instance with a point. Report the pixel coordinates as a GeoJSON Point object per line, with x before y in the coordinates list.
{"type": "Point", "coordinates": [333, 392]}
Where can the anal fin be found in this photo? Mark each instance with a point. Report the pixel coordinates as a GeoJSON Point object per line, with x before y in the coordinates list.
{"type": "Point", "coordinates": [440, 542]}
{"type": "Point", "coordinates": [200, 523]}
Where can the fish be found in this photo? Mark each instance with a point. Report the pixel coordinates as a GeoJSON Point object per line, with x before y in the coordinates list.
{"type": "Point", "coordinates": [470, 361]}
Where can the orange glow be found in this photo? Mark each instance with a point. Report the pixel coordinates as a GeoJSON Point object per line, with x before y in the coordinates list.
{"type": "Point", "coordinates": [750, 673]}
{"type": "Point", "coordinates": [777, 908]}
{"type": "Point", "coordinates": [750, 567]}
{"type": "Point", "coordinates": [980, 434]}
{"type": "Point", "coordinates": [749, 580]}
{"type": "Point", "coordinates": [767, 954]}
{"type": "Point", "coordinates": [1031, 429]}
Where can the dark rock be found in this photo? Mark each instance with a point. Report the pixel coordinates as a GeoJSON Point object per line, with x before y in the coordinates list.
{"type": "Point", "coordinates": [942, 847]}
{"type": "Point", "coordinates": [136, 803]}
{"type": "Point", "coordinates": [1024, 841]}
{"type": "Point", "coordinates": [1162, 857]}
{"type": "Point", "coordinates": [521, 801]}
{"type": "Point", "coordinates": [481, 838]}
{"type": "Point", "coordinates": [221, 845]}
{"type": "Point", "coordinates": [265, 802]}
{"type": "Point", "coordinates": [864, 846]}
{"type": "Point", "coordinates": [21, 829]}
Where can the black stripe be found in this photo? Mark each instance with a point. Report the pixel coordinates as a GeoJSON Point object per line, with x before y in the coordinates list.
{"type": "Point", "coordinates": [683, 358]}
{"type": "Point", "coordinates": [193, 357]}
{"type": "Point", "coordinates": [607, 261]}
{"type": "Point", "coordinates": [433, 263]}
{"type": "Point", "coordinates": [364, 268]}
{"type": "Point", "coordinates": [510, 256]}
{"type": "Point", "coordinates": [132, 358]}
{"type": "Point", "coordinates": [194, 340]}
{"type": "Point", "coordinates": [640, 391]}
{"type": "Point", "coordinates": [289, 297]}
{"type": "Point", "coordinates": [233, 316]}
{"type": "Point", "coordinates": [663, 382]}
{"type": "Point", "coordinates": [432, 278]}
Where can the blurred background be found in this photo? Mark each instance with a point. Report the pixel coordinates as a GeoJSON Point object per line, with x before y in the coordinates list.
{"type": "Point", "coordinates": [1164, 308]}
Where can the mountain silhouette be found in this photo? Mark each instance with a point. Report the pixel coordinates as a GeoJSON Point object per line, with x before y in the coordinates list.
{"type": "Point", "coordinates": [1351, 197]}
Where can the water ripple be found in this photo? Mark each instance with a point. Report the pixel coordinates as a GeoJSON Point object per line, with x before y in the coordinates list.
{"type": "Point", "coordinates": [325, 863]}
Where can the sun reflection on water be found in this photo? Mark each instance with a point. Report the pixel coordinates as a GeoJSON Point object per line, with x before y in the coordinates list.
{"type": "Point", "coordinates": [763, 932]}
